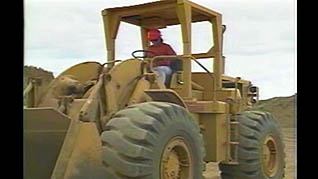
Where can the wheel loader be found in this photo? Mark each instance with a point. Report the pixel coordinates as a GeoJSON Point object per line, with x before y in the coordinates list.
{"type": "Point", "coordinates": [118, 120]}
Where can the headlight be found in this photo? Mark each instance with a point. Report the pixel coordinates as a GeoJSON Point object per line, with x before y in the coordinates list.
{"type": "Point", "coordinates": [253, 89]}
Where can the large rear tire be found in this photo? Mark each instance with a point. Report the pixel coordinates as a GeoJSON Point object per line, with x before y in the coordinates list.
{"type": "Point", "coordinates": [260, 151]}
{"type": "Point", "coordinates": [153, 140]}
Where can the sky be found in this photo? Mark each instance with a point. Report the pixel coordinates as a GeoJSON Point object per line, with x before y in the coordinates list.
{"type": "Point", "coordinates": [259, 43]}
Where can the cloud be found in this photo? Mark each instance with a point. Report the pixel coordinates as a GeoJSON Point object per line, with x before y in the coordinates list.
{"type": "Point", "coordinates": [259, 43]}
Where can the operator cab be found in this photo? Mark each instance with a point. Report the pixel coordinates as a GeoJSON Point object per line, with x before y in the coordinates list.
{"type": "Point", "coordinates": [176, 66]}
{"type": "Point", "coordinates": [161, 14]}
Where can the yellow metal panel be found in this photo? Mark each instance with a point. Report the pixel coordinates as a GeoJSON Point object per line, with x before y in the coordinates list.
{"type": "Point", "coordinates": [197, 94]}
{"type": "Point", "coordinates": [226, 93]}
{"type": "Point", "coordinates": [202, 9]}
{"type": "Point", "coordinates": [214, 136]}
{"type": "Point", "coordinates": [203, 55]}
{"type": "Point", "coordinates": [217, 37]}
{"type": "Point", "coordinates": [233, 79]}
{"type": "Point", "coordinates": [206, 106]}
{"type": "Point", "coordinates": [205, 80]}
{"type": "Point", "coordinates": [144, 40]}
{"type": "Point", "coordinates": [166, 95]}
{"type": "Point", "coordinates": [196, 86]}
{"type": "Point", "coordinates": [184, 16]}
{"type": "Point", "coordinates": [139, 95]}
{"type": "Point", "coordinates": [84, 71]}
{"type": "Point", "coordinates": [141, 8]}
{"type": "Point", "coordinates": [233, 97]}
{"type": "Point", "coordinates": [120, 83]}
{"type": "Point", "coordinates": [77, 104]}
{"type": "Point", "coordinates": [111, 100]}
{"type": "Point", "coordinates": [153, 22]}
{"type": "Point", "coordinates": [111, 25]}
{"type": "Point", "coordinates": [44, 131]}
{"type": "Point", "coordinates": [164, 9]}
{"type": "Point", "coordinates": [86, 158]}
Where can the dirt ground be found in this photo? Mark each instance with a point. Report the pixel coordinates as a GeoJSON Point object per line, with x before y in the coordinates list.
{"type": "Point", "coordinates": [212, 171]}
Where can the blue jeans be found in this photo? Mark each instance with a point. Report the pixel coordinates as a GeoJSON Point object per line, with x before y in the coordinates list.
{"type": "Point", "coordinates": [163, 72]}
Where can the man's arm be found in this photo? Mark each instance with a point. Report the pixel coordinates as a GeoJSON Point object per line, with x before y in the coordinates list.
{"type": "Point", "coordinates": [170, 50]}
{"type": "Point", "coordinates": [149, 55]}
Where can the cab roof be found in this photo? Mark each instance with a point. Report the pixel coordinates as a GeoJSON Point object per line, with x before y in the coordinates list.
{"type": "Point", "coordinates": [160, 13]}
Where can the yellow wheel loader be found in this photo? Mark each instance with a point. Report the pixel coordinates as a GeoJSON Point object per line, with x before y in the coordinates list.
{"type": "Point", "coordinates": [117, 120]}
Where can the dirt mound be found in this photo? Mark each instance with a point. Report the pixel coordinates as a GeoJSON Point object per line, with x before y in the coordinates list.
{"type": "Point", "coordinates": [35, 72]}
{"type": "Point", "coordinates": [282, 108]}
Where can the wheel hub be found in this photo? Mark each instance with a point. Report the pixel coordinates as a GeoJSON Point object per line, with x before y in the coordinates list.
{"type": "Point", "coordinates": [270, 160]}
{"type": "Point", "coordinates": [172, 166]}
{"type": "Point", "coordinates": [176, 161]}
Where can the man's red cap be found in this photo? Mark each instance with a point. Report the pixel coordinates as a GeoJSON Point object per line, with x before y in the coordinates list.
{"type": "Point", "coordinates": [153, 34]}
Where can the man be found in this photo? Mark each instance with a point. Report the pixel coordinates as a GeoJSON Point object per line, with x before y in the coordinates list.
{"type": "Point", "coordinates": [159, 48]}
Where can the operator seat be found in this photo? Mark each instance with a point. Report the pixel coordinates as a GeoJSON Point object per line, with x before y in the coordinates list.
{"type": "Point", "coordinates": [176, 66]}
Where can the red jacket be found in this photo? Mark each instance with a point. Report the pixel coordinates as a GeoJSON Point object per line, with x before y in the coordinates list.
{"type": "Point", "coordinates": [162, 49]}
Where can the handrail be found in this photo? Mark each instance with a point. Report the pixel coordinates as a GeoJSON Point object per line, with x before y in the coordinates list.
{"type": "Point", "coordinates": [192, 58]}
{"type": "Point", "coordinates": [165, 56]}
{"type": "Point", "coordinates": [178, 56]}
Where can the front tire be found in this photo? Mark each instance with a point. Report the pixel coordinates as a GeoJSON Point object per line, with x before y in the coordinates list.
{"type": "Point", "coordinates": [260, 151]}
{"type": "Point", "coordinates": [153, 140]}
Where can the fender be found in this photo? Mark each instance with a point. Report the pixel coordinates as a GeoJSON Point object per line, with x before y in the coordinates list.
{"type": "Point", "coordinates": [166, 95]}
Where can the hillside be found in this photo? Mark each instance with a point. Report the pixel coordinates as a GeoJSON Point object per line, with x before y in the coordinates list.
{"type": "Point", "coordinates": [282, 108]}
{"type": "Point", "coordinates": [34, 72]}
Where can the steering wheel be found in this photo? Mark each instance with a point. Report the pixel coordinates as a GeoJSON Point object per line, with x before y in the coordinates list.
{"type": "Point", "coordinates": [144, 52]}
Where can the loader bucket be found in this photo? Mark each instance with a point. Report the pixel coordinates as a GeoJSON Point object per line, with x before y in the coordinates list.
{"type": "Point", "coordinates": [44, 133]}
{"type": "Point", "coordinates": [58, 147]}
